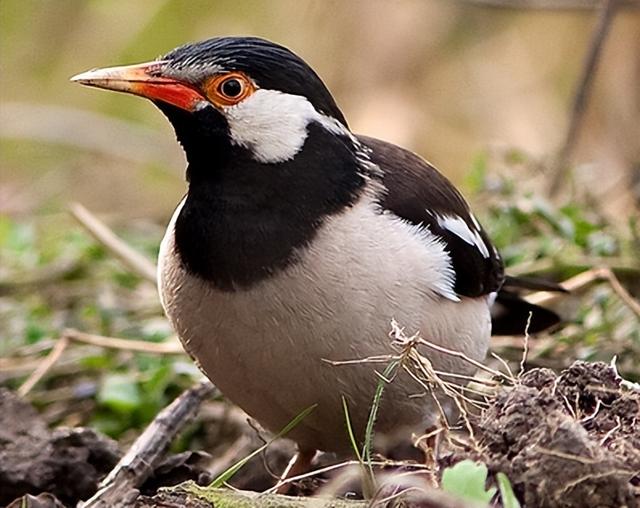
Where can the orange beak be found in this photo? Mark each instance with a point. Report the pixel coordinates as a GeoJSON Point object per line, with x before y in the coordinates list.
{"type": "Point", "coordinates": [145, 80]}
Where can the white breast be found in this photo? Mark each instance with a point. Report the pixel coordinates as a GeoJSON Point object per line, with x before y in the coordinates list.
{"type": "Point", "coordinates": [265, 347]}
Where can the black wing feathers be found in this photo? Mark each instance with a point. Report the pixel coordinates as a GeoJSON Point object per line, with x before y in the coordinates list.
{"type": "Point", "coordinates": [511, 315]}
{"type": "Point", "coordinates": [418, 193]}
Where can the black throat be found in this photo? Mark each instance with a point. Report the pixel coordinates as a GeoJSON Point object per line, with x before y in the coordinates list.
{"type": "Point", "coordinates": [243, 220]}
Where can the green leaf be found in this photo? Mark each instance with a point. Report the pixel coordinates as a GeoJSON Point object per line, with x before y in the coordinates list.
{"type": "Point", "coordinates": [109, 423]}
{"type": "Point", "coordinates": [509, 499]}
{"type": "Point", "coordinates": [467, 479]}
{"type": "Point", "coordinates": [120, 393]}
{"type": "Point", "coordinates": [34, 333]}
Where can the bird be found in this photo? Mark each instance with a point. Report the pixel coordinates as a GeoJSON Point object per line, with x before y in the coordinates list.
{"type": "Point", "coordinates": [298, 242]}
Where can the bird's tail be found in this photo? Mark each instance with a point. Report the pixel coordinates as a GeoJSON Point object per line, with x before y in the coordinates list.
{"type": "Point", "coordinates": [510, 313]}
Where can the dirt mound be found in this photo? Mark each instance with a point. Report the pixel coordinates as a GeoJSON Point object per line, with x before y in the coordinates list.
{"type": "Point", "coordinates": [48, 467]}
{"type": "Point", "coordinates": [567, 440]}
{"type": "Point", "coordinates": [65, 462]}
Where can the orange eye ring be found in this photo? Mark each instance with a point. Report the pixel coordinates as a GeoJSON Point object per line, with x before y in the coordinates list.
{"type": "Point", "coordinates": [229, 89]}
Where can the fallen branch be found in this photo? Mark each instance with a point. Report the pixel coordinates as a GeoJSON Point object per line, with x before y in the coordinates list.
{"type": "Point", "coordinates": [103, 234]}
{"type": "Point", "coordinates": [119, 488]}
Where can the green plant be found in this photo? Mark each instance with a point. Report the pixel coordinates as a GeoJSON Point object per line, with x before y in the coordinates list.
{"type": "Point", "coordinates": [467, 480]}
{"type": "Point", "coordinates": [227, 474]}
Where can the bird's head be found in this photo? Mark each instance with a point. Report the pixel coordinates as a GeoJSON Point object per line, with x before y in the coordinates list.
{"type": "Point", "coordinates": [231, 94]}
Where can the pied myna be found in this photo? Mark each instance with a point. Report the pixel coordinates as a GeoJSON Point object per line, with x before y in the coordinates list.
{"type": "Point", "coordinates": [298, 242]}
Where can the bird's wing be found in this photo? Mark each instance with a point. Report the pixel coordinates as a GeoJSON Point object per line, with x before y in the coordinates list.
{"type": "Point", "coordinates": [418, 193]}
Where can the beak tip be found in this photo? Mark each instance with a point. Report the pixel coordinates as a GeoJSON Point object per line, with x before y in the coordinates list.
{"type": "Point", "coordinates": [83, 78]}
{"type": "Point", "coordinates": [145, 80]}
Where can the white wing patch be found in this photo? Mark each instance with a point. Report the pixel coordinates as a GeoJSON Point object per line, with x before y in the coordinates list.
{"type": "Point", "coordinates": [461, 229]}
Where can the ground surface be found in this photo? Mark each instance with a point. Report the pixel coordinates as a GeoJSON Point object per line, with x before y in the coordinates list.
{"type": "Point", "coordinates": [567, 440]}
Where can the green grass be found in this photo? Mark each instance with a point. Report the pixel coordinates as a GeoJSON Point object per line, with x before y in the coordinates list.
{"type": "Point", "coordinates": [226, 475]}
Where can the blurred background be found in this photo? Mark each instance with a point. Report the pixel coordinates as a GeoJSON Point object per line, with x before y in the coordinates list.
{"type": "Point", "coordinates": [484, 93]}
{"type": "Point", "coordinates": [448, 79]}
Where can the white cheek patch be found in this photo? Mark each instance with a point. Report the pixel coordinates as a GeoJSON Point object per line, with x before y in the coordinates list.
{"type": "Point", "coordinates": [461, 229]}
{"type": "Point", "coordinates": [273, 124]}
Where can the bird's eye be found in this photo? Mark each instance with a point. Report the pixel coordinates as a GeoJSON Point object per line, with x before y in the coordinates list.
{"type": "Point", "coordinates": [229, 89]}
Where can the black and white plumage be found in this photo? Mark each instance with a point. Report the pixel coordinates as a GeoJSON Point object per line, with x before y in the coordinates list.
{"type": "Point", "coordinates": [298, 242]}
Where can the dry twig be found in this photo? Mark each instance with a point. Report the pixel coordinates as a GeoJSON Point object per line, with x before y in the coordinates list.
{"type": "Point", "coordinates": [44, 366]}
{"type": "Point", "coordinates": [168, 347]}
{"type": "Point", "coordinates": [119, 488]}
{"type": "Point", "coordinates": [103, 234]}
{"type": "Point", "coordinates": [70, 335]}
{"type": "Point", "coordinates": [583, 93]}
{"type": "Point", "coordinates": [585, 279]}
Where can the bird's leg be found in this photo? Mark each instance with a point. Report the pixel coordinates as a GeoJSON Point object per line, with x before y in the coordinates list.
{"type": "Point", "coordinates": [299, 464]}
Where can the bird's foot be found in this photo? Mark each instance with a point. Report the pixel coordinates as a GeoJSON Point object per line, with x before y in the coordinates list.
{"type": "Point", "coordinates": [299, 464]}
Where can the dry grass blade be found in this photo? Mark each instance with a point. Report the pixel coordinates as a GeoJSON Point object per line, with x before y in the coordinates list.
{"type": "Point", "coordinates": [341, 465]}
{"type": "Point", "coordinates": [103, 234]}
{"type": "Point", "coordinates": [474, 379]}
{"type": "Point", "coordinates": [525, 349]}
{"type": "Point", "coordinates": [169, 347]}
{"type": "Point", "coordinates": [461, 355]}
{"type": "Point", "coordinates": [620, 290]}
{"type": "Point", "coordinates": [44, 366]}
{"type": "Point", "coordinates": [503, 362]}
{"type": "Point", "coordinates": [419, 367]}
{"type": "Point", "coordinates": [70, 335]}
